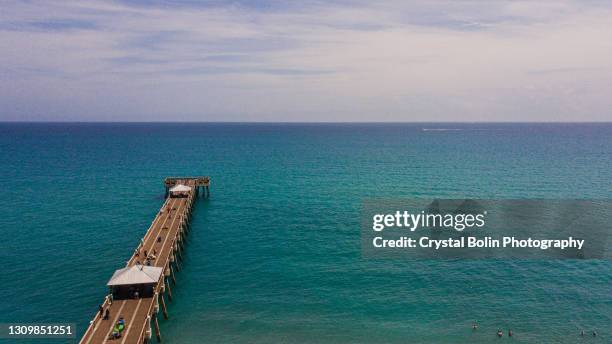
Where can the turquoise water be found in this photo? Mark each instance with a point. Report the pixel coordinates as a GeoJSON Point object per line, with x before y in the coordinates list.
{"type": "Point", "coordinates": [274, 255]}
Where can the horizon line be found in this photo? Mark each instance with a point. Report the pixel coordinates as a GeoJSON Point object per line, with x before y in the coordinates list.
{"type": "Point", "coordinates": [305, 122]}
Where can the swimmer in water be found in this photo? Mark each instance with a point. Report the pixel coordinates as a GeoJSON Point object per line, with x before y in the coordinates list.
{"type": "Point", "coordinates": [500, 333]}
{"type": "Point", "coordinates": [510, 333]}
{"type": "Point", "coordinates": [474, 326]}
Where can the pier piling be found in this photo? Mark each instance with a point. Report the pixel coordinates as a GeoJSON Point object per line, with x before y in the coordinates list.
{"type": "Point", "coordinates": [157, 333]}
{"type": "Point", "coordinates": [163, 306]}
{"type": "Point", "coordinates": [169, 290]}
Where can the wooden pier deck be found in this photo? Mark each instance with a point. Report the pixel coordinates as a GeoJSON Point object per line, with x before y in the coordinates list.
{"type": "Point", "coordinates": [165, 240]}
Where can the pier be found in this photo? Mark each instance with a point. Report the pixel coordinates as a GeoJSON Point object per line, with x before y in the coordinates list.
{"type": "Point", "coordinates": [139, 291]}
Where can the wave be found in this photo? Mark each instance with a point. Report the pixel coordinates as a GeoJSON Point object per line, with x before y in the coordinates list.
{"type": "Point", "coordinates": [459, 129]}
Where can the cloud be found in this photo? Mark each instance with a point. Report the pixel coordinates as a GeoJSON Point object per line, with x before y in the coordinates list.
{"type": "Point", "coordinates": [302, 61]}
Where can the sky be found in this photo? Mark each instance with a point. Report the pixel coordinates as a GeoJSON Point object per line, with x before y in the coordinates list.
{"type": "Point", "coordinates": [303, 61]}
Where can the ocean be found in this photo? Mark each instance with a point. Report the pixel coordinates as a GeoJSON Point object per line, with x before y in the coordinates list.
{"type": "Point", "coordinates": [274, 255]}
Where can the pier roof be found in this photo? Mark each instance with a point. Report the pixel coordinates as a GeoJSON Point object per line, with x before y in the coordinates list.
{"type": "Point", "coordinates": [136, 274]}
{"type": "Point", "coordinates": [180, 188]}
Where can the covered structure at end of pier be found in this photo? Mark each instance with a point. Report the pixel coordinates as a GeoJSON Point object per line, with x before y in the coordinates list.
{"type": "Point", "coordinates": [179, 190]}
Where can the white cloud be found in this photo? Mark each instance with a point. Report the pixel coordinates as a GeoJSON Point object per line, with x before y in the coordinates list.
{"type": "Point", "coordinates": [392, 61]}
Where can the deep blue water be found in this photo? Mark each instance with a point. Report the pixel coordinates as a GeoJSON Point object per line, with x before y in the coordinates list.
{"type": "Point", "coordinates": [274, 255]}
